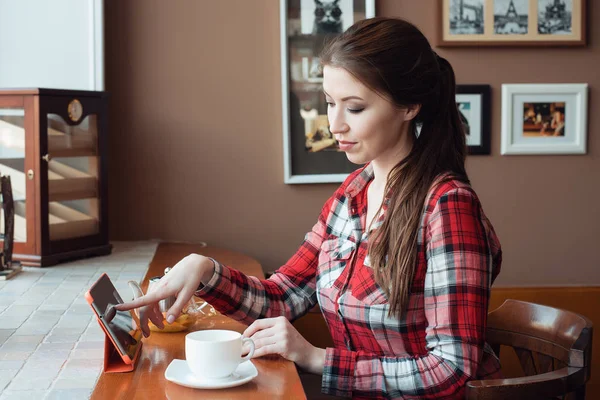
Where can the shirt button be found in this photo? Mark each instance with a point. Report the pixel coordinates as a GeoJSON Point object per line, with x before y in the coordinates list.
{"type": "Point", "coordinates": [353, 210]}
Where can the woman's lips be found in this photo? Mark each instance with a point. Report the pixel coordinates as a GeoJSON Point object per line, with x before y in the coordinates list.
{"type": "Point", "coordinates": [345, 146]}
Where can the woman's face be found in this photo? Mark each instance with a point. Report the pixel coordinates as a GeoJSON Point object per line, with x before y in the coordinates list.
{"type": "Point", "coordinates": [367, 126]}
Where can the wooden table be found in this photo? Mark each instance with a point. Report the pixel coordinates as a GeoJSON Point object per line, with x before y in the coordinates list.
{"type": "Point", "coordinates": [277, 378]}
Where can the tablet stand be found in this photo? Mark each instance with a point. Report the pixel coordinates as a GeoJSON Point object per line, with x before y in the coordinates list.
{"type": "Point", "coordinates": [112, 359]}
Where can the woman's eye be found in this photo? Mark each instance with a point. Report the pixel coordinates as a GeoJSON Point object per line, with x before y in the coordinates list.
{"type": "Point", "coordinates": [355, 110]}
{"type": "Point", "coordinates": [330, 104]}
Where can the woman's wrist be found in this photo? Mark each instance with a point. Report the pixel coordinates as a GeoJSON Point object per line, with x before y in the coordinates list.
{"type": "Point", "coordinates": [315, 362]}
{"type": "Point", "coordinates": [205, 267]}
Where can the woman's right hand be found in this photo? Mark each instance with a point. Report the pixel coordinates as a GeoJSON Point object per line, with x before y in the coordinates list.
{"type": "Point", "coordinates": [181, 281]}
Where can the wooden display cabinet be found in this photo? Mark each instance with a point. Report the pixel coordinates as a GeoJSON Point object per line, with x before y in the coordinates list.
{"type": "Point", "coordinates": [53, 144]}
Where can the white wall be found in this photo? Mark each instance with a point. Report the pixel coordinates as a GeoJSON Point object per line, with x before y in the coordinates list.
{"type": "Point", "coordinates": [51, 44]}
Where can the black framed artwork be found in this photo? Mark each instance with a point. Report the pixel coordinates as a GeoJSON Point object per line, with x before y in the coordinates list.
{"type": "Point", "coordinates": [473, 102]}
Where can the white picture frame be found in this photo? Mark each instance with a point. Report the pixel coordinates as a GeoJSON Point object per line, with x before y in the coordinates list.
{"type": "Point", "coordinates": [299, 77]}
{"type": "Point", "coordinates": [544, 118]}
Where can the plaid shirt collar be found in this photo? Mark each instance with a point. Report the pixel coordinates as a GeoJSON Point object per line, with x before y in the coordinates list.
{"type": "Point", "coordinates": [361, 181]}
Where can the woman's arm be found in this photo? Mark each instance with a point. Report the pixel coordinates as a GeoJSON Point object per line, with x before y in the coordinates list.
{"type": "Point", "coordinates": [457, 287]}
{"type": "Point", "coordinates": [289, 292]}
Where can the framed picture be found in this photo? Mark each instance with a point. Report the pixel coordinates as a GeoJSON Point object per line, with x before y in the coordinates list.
{"type": "Point", "coordinates": [311, 153]}
{"type": "Point", "coordinates": [544, 118]}
{"type": "Point", "coordinates": [512, 23]}
{"type": "Point", "coordinates": [473, 102]}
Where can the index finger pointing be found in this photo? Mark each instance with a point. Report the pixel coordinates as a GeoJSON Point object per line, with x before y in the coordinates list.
{"type": "Point", "coordinates": [145, 300]}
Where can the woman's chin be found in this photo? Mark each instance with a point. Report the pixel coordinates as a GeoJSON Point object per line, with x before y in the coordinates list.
{"type": "Point", "coordinates": [356, 159]}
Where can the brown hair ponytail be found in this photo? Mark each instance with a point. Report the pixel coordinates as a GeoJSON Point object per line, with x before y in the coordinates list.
{"type": "Point", "coordinates": [392, 57]}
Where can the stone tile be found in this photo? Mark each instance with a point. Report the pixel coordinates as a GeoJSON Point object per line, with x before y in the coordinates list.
{"type": "Point", "coordinates": [48, 313]}
{"type": "Point", "coordinates": [75, 383]}
{"type": "Point", "coordinates": [36, 339]}
{"type": "Point", "coordinates": [51, 357]}
{"type": "Point", "coordinates": [4, 381]}
{"type": "Point", "coordinates": [90, 345]}
{"type": "Point", "coordinates": [22, 395]}
{"type": "Point", "coordinates": [69, 394]}
{"type": "Point", "coordinates": [92, 337]}
{"type": "Point", "coordinates": [5, 334]}
{"type": "Point", "coordinates": [53, 307]}
{"type": "Point", "coordinates": [30, 383]}
{"type": "Point", "coordinates": [62, 338]}
{"type": "Point", "coordinates": [10, 365]}
{"type": "Point", "coordinates": [22, 342]}
{"type": "Point", "coordinates": [92, 369]}
{"type": "Point", "coordinates": [34, 300]}
{"type": "Point", "coordinates": [79, 301]}
{"type": "Point", "coordinates": [7, 300]}
{"type": "Point", "coordinates": [68, 331]}
{"type": "Point", "coordinates": [6, 376]}
{"type": "Point", "coordinates": [14, 322]}
{"type": "Point", "coordinates": [48, 369]}
{"type": "Point", "coordinates": [16, 346]}
{"type": "Point", "coordinates": [17, 310]}
{"type": "Point", "coordinates": [79, 309]}
{"type": "Point", "coordinates": [35, 328]}
{"type": "Point", "coordinates": [14, 355]}
{"type": "Point", "coordinates": [87, 354]}
{"type": "Point", "coordinates": [50, 347]}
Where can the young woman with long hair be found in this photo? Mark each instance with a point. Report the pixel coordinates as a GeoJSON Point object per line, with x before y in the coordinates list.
{"type": "Point", "coordinates": [402, 257]}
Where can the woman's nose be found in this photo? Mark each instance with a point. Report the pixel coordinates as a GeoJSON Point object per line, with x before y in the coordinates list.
{"type": "Point", "coordinates": [337, 124]}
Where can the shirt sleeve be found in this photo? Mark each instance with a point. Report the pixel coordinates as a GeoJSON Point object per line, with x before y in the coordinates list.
{"type": "Point", "coordinates": [289, 292]}
{"type": "Point", "coordinates": [456, 294]}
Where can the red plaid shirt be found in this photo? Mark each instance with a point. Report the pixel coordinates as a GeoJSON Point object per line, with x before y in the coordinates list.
{"type": "Point", "coordinates": [439, 343]}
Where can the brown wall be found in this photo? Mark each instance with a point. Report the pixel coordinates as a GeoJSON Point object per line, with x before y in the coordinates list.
{"type": "Point", "coordinates": [196, 142]}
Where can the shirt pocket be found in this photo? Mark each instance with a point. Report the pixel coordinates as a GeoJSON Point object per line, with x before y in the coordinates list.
{"type": "Point", "coordinates": [334, 256]}
{"type": "Point", "coordinates": [364, 287]}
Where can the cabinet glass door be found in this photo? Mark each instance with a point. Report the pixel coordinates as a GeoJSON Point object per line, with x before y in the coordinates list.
{"type": "Point", "coordinates": [12, 163]}
{"type": "Point", "coordinates": [73, 197]}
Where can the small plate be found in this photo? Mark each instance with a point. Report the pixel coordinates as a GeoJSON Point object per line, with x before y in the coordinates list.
{"type": "Point", "coordinates": [179, 373]}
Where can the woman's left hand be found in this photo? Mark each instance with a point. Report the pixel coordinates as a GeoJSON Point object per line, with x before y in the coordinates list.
{"type": "Point", "coordinates": [278, 336]}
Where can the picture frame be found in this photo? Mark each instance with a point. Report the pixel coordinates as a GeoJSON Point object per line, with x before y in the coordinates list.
{"type": "Point", "coordinates": [512, 23]}
{"type": "Point", "coordinates": [473, 102]}
{"type": "Point", "coordinates": [310, 151]}
{"type": "Point", "coordinates": [544, 118]}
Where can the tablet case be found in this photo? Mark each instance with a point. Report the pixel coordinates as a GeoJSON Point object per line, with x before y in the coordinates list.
{"type": "Point", "coordinates": [112, 359]}
{"type": "Point", "coordinates": [113, 362]}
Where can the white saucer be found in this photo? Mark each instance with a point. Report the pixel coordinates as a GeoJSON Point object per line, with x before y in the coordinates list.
{"type": "Point", "coordinates": [179, 372]}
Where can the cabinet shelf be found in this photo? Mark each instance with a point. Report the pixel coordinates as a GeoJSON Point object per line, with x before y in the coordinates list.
{"type": "Point", "coordinates": [60, 144]}
{"type": "Point", "coordinates": [64, 222]}
{"type": "Point", "coordinates": [64, 153]}
{"type": "Point", "coordinates": [64, 182]}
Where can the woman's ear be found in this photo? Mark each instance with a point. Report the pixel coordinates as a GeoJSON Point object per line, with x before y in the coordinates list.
{"type": "Point", "coordinates": [412, 111]}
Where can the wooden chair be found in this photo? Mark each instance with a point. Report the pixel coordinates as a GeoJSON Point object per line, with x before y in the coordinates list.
{"type": "Point", "coordinates": [554, 348]}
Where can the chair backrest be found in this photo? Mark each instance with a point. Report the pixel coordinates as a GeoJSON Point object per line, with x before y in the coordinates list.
{"type": "Point", "coordinates": [554, 348]}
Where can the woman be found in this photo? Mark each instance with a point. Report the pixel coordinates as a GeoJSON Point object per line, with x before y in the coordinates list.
{"type": "Point", "coordinates": [401, 259]}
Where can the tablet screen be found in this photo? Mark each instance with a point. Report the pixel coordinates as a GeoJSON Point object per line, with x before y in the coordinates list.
{"type": "Point", "coordinates": [122, 327]}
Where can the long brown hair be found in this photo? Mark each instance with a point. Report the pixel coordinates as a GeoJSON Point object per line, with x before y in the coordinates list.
{"type": "Point", "coordinates": [393, 58]}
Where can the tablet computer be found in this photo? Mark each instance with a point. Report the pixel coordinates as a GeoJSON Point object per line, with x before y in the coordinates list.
{"type": "Point", "coordinates": [122, 327]}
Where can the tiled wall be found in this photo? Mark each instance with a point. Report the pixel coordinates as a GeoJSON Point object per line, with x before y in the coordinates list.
{"type": "Point", "coordinates": [51, 346]}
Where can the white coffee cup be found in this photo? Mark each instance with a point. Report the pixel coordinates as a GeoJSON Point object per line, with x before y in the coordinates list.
{"type": "Point", "coordinates": [214, 354]}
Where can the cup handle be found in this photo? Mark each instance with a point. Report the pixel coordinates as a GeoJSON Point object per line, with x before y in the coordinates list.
{"type": "Point", "coordinates": [251, 352]}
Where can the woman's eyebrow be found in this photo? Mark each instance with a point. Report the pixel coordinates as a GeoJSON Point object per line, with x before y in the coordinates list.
{"type": "Point", "coordinates": [345, 98]}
